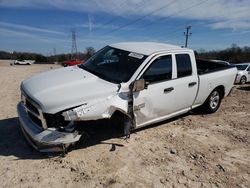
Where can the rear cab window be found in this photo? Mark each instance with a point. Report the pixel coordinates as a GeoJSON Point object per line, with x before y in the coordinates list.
{"type": "Point", "coordinates": [184, 65]}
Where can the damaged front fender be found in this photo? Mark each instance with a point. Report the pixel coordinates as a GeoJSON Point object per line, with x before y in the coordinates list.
{"type": "Point", "coordinates": [97, 109]}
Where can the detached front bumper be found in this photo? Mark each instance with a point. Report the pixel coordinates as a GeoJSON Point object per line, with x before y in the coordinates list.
{"type": "Point", "coordinates": [48, 140]}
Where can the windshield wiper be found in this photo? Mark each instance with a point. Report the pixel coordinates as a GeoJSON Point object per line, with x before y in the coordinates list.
{"type": "Point", "coordinates": [104, 77]}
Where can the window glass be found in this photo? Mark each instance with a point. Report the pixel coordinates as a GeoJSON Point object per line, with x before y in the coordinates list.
{"type": "Point", "coordinates": [113, 64]}
{"type": "Point", "coordinates": [248, 68]}
{"type": "Point", "coordinates": [184, 66]}
{"type": "Point", "coordinates": [160, 69]}
{"type": "Point", "coordinates": [241, 67]}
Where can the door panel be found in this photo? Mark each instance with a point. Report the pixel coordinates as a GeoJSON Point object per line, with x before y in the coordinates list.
{"type": "Point", "coordinates": [155, 103]}
{"type": "Point", "coordinates": [165, 97]}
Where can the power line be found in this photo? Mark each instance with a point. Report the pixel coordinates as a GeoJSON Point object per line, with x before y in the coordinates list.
{"type": "Point", "coordinates": [141, 18]}
{"type": "Point", "coordinates": [110, 21]}
{"type": "Point", "coordinates": [169, 33]}
{"type": "Point", "coordinates": [161, 19]}
{"type": "Point", "coordinates": [177, 12]}
{"type": "Point", "coordinates": [178, 30]}
{"type": "Point", "coordinates": [117, 17]}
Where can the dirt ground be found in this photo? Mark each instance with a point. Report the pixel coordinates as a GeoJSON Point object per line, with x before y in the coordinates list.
{"type": "Point", "coordinates": [193, 150]}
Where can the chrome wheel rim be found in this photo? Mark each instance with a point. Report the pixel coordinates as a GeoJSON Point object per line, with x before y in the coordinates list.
{"type": "Point", "coordinates": [214, 99]}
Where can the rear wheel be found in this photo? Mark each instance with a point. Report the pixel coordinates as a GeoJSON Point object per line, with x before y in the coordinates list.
{"type": "Point", "coordinates": [213, 101]}
{"type": "Point", "coordinates": [243, 80]}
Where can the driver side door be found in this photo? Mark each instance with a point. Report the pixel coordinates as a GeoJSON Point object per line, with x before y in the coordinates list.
{"type": "Point", "coordinates": [158, 99]}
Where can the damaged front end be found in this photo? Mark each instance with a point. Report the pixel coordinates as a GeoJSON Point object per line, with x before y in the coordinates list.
{"type": "Point", "coordinates": [57, 132]}
{"type": "Point", "coordinates": [93, 110]}
{"type": "Point", "coordinates": [39, 135]}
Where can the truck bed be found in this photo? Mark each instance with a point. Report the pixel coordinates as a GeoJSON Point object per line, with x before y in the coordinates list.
{"type": "Point", "coordinates": [212, 74]}
{"type": "Point", "coordinates": [206, 66]}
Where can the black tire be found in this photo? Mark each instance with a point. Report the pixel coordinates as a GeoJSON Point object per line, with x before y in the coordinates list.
{"type": "Point", "coordinates": [243, 80]}
{"type": "Point", "coordinates": [213, 101]}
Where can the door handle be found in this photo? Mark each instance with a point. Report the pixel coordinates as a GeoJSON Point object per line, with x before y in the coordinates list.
{"type": "Point", "coordinates": [167, 90]}
{"type": "Point", "coordinates": [192, 84]}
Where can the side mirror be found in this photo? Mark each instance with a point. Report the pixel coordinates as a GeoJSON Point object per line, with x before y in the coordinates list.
{"type": "Point", "coordinates": [139, 85]}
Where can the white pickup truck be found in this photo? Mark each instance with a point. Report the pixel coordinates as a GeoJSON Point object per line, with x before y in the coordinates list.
{"type": "Point", "coordinates": [139, 83]}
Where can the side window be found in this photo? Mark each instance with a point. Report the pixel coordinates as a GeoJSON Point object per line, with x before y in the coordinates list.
{"type": "Point", "coordinates": [159, 70]}
{"type": "Point", "coordinates": [184, 66]}
{"type": "Point", "coordinates": [248, 69]}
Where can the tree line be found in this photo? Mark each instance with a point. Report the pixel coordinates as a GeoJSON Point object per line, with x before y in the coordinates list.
{"type": "Point", "coordinates": [89, 51]}
{"type": "Point", "coordinates": [233, 54]}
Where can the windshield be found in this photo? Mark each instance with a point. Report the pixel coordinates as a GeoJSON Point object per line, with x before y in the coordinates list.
{"type": "Point", "coordinates": [113, 64]}
{"type": "Point", "coordinates": [241, 67]}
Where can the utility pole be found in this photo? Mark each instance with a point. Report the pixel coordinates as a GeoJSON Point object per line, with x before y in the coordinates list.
{"type": "Point", "coordinates": [187, 34]}
{"type": "Point", "coordinates": [54, 51]}
{"type": "Point", "coordinates": [54, 54]}
{"type": "Point", "coordinates": [74, 47]}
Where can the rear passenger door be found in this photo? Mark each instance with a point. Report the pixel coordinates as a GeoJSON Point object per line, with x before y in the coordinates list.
{"type": "Point", "coordinates": [186, 81]}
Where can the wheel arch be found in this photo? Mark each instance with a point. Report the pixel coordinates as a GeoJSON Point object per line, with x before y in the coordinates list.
{"type": "Point", "coordinates": [243, 76]}
{"type": "Point", "coordinates": [119, 113]}
{"type": "Point", "coordinates": [221, 88]}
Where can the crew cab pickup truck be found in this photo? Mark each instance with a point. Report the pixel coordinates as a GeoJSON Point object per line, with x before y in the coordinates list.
{"type": "Point", "coordinates": [141, 83]}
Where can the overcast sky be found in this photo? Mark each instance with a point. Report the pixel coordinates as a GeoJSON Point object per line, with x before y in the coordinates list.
{"type": "Point", "coordinates": [41, 25]}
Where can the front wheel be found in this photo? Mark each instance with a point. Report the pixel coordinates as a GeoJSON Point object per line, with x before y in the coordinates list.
{"type": "Point", "coordinates": [243, 80]}
{"type": "Point", "coordinates": [213, 101]}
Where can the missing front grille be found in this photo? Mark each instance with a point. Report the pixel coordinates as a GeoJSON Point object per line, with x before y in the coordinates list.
{"type": "Point", "coordinates": [30, 106]}
{"type": "Point", "coordinates": [36, 120]}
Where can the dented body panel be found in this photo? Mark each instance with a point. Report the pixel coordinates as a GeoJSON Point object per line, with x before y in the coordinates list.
{"type": "Point", "coordinates": [64, 88]}
{"type": "Point", "coordinates": [155, 104]}
{"type": "Point", "coordinates": [98, 109]}
{"type": "Point", "coordinates": [44, 140]}
{"type": "Point", "coordinates": [73, 94]}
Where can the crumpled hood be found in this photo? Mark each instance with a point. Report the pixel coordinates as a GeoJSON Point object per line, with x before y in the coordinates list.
{"type": "Point", "coordinates": [63, 88]}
